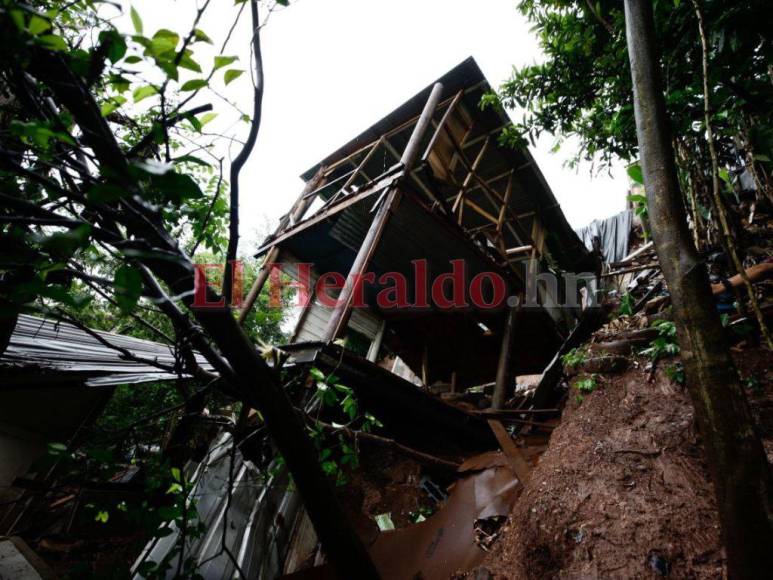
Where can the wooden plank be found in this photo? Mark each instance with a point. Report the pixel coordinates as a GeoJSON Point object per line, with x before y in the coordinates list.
{"type": "Point", "coordinates": [480, 211]}
{"type": "Point", "coordinates": [590, 320]}
{"type": "Point", "coordinates": [518, 250]}
{"type": "Point", "coordinates": [318, 217]}
{"type": "Point", "coordinates": [520, 466]}
{"type": "Point", "coordinates": [443, 121]}
{"type": "Point", "coordinates": [469, 177]}
{"type": "Point", "coordinates": [505, 202]}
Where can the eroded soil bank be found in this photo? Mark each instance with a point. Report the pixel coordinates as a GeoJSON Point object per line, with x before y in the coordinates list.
{"type": "Point", "coordinates": [622, 490]}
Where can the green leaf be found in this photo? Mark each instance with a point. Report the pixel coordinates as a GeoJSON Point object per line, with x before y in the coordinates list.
{"type": "Point", "coordinates": [192, 159]}
{"type": "Point", "coordinates": [55, 448]}
{"type": "Point", "coordinates": [128, 288]}
{"type": "Point", "coordinates": [176, 187]}
{"type": "Point", "coordinates": [102, 516]}
{"type": "Point", "coordinates": [638, 198]}
{"type": "Point", "coordinates": [38, 25]}
{"type": "Point", "coordinates": [207, 117]}
{"type": "Point", "coordinates": [66, 243]}
{"type": "Point", "coordinates": [635, 173]}
{"type": "Point", "coordinates": [221, 61]}
{"type": "Point", "coordinates": [187, 62]}
{"type": "Point", "coordinates": [112, 104]}
{"type": "Point", "coordinates": [195, 122]}
{"type": "Point", "coordinates": [18, 18]}
{"type": "Point", "coordinates": [53, 42]}
{"type": "Point", "coordinates": [162, 48]}
{"type": "Point", "coordinates": [136, 20]}
{"type": "Point", "coordinates": [144, 92]}
{"type": "Point", "coordinates": [167, 34]}
{"type": "Point", "coordinates": [201, 36]}
{"type": "Point", "coordinates": [194, 85]}
{"type": "Point", "coordinates": [133, 59]}
{"type": "Point", "coordinates": [232, 74]}
{"type": "Point", "coordinates": [176, 475]}
{"type": "Point", "coordinates": [114, 44]}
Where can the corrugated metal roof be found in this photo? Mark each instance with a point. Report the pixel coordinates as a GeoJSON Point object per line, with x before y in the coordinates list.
{"type": "Point", "coordinates": [51, 345]}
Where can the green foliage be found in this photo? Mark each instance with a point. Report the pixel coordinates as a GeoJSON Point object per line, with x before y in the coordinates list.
{"type": "Point", "coordinates": [626, 305]}
{"type": "Point", "coordinates": [575, 357]}
{"type": "Point", "coordinates": [336, 453]}
{"type": "Point", "coordinates": [127, 285]}
{"type": "Point", "coordinates": [166, 498]}
{"type": "Point", "coordinates": [665, 344]}
{"type": "Point", "coordinates": [635, 173]}
{"type": "Point", "coordinates": [640, 205]}
{"type": "Point", "coordinates": [675, 372]}
{"type": "Point", "coordinates": [186, 190]}
{"type": "Point", "coordinates": [587, 384]}
{"type": "Point", "coordinates": [582, 87]}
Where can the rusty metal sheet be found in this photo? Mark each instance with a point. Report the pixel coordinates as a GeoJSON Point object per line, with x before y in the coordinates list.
{"type": "Point", "coordinates": [443, 544]}
{"type": "Point", "coordinates": [483, 461]}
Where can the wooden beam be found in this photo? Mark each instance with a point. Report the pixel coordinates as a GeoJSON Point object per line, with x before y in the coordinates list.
{"type": "Point", "coordinates": [505, 202]}
{"type": "Point", "coordinates": [519, 250]}
{"type": "Point", "coordinates": [339, 316]}
{"type": "Point", "coordinates": [511, 451]}
{"type": "Point", "coordinates": [338, 207]}
{"type": "Point", "coordinates": [441, 124]}
{"type": "Point", "coordinates": [411, 150]}
{"type": "Point", "coordinates": [480, 211]}
{"type": "Point", "coordinates": [470, 175]}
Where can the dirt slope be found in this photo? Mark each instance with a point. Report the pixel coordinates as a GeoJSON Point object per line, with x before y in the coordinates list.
{"type": "Point", "coordinates": [621, 492]}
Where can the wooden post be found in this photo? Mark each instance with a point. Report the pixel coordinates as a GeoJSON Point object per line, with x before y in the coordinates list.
{"type": "Point", "coordinates": [340, 314]}
{"type": "Point", "coordinates": [412, 148]}
{"type": "Point", "coordinates": [295, 214]}
{"type": "Point", "coordinates": [375, 346]}
{"type": "Point", "coordinates": [504, 370]}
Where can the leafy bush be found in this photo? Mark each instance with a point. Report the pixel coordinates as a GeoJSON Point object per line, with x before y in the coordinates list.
{"type": "Point", "coordinates": [574, 357]}
{"type": "Point", "coordinates": [665, 344]}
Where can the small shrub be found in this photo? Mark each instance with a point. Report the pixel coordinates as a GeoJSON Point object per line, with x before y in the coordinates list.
{"type": "Point", "coordinates": [626, 305]}
{"type": "Point", "coordinates": [665, 344]}
{"type": "Point", "coordinates": [675, 373]}
{"type": "Point", "coordinates": [587, 384]}
{"type": "Point", "coordinates": [574, 357]}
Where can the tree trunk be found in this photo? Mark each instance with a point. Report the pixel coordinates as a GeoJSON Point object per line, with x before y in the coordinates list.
{"type": "Point", "coordinates": [734, 453]}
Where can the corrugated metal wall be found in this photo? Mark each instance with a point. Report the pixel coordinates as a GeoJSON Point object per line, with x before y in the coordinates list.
{"type": "Point", "coordinates": [313, 323]}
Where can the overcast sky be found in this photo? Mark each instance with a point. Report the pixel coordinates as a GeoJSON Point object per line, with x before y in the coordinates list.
{"type": "Point", "coordinates": [334, 67]}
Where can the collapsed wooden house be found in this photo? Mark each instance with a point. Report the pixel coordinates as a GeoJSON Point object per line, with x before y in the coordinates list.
{"type": "Point", "coordinates": [431, 182]}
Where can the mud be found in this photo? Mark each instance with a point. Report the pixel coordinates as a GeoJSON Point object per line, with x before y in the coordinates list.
{"type": "Point", "coordinates": [621, 492]}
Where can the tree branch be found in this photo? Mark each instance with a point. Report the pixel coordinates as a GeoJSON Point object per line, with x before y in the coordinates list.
{"type": "Point", "coordinates": [244, 154]}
